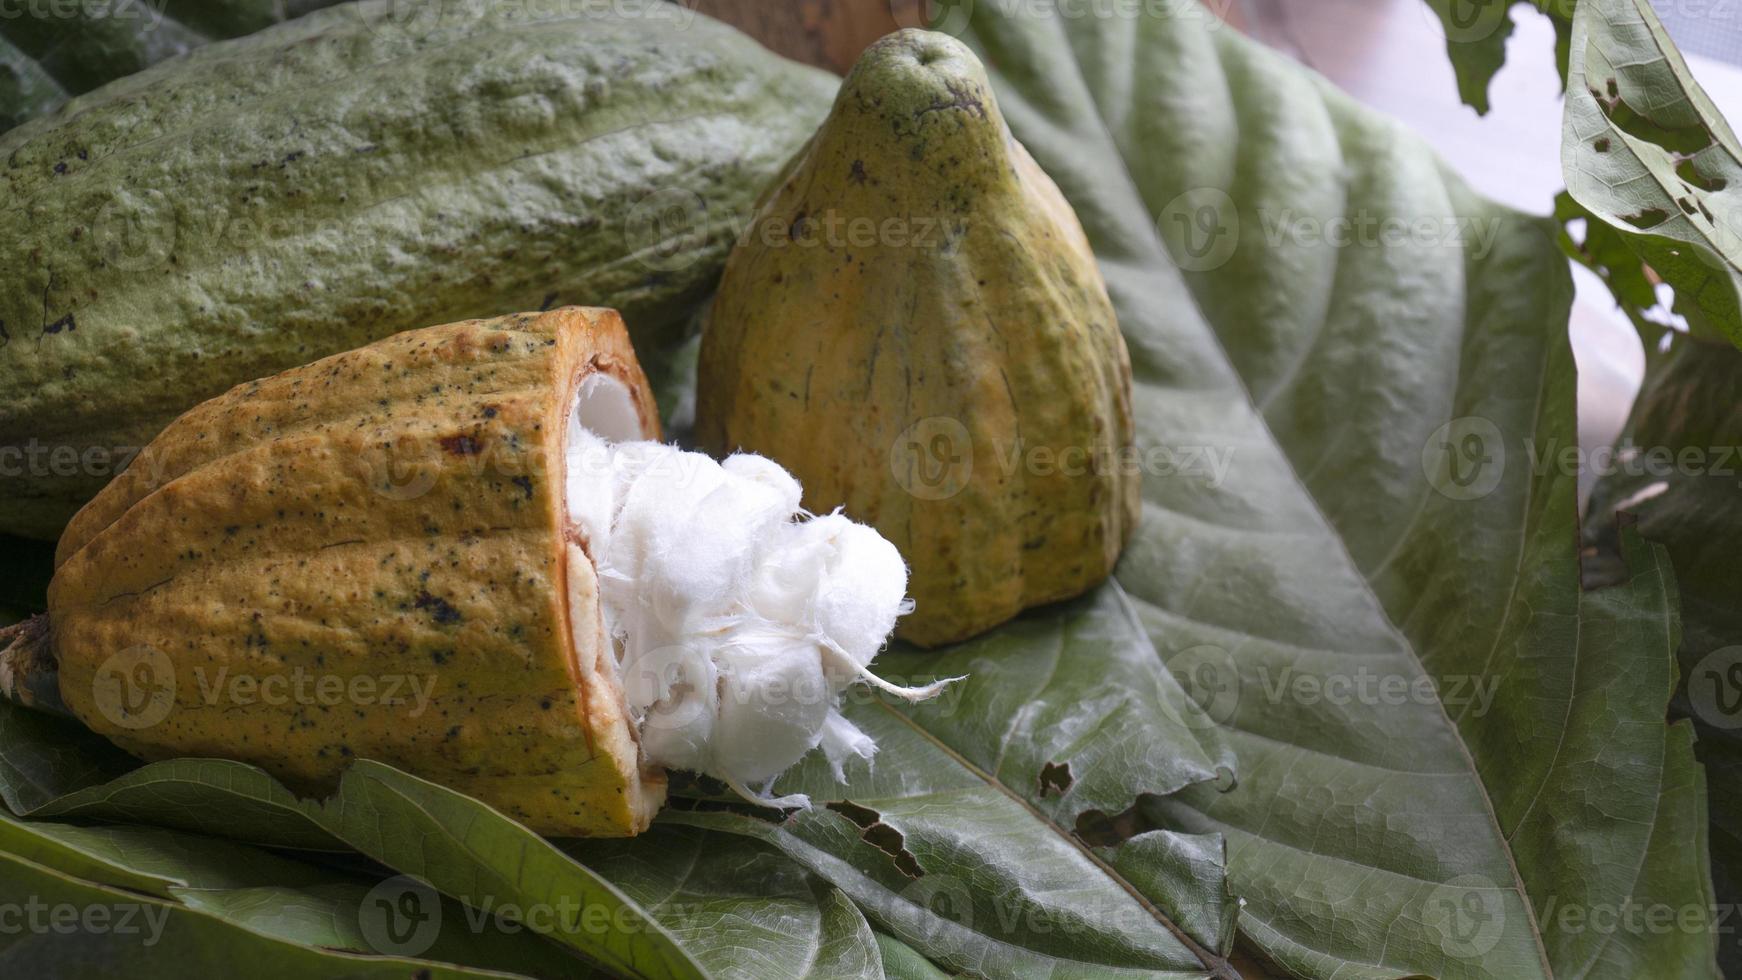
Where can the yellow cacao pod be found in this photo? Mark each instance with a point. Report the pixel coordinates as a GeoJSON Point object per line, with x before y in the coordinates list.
{"type": "Point", "coordinates": [370, 556]}
{"type": "Point", "coordinates": [915, 327]}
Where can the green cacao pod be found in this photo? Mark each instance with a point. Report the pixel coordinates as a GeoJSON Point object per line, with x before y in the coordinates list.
{"type": "Point", "coordinates": [915, 327]}
{"type": "Point", "coordinates": [52, 51]}
{"type": "Point", "coordinates": [362, 170]}
{"type": "Point", "coordinates": [369, 556]}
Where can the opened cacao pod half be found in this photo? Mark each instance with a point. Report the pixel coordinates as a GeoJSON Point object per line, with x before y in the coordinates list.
{"type": "Point", "coordinates": [462, 551]}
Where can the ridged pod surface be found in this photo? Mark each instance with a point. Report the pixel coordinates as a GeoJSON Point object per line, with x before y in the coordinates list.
{"type": "Point", "coordinates": [50, 52]}
{"type": "Point", "coordinates": [287, 559]}
{"type": "Point", "coordinates": [916, 328]}
{"type": "Point", "coordinates": [366, 169]}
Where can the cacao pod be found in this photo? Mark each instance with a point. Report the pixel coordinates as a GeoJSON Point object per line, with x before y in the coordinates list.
{"type": "Point", "coordinates": [916, 328]}
{"type": "Point", "coordinates": [370, 556]}
{"type": "Point", "coordinates": [49, 52]}
{"type": "Point", "coordinates": [363, 170]}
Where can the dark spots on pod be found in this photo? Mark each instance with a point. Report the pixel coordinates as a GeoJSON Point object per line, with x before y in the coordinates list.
{"type": "Point", "coordinates": [5, 338]}
{"type": "Point", "coordinates": [440, 657]}
{"type": "Point", "coordinates": [489, 411]}
{"type": "Point", "coordinates": [795, 230]}
{"type": "Point", "coordinates": [525, 485]}
{"type": "Point", "coordinates": [462, 445]}
{"type": "Point", "coordinates": [61, 167]}
{"type": "Point", "coordinates": [66, 324]}
{"type": "Point", "coordinates": [290, 158]}
{"type": "Point", "coordinates": [441, 610]}
{"type": "Point", "coordinates": [544, 704]}
{"type": "Point", "coordinates": [857, 173]}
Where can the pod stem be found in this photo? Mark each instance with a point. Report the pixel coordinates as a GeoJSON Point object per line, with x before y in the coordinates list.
{"type": "Point", "coordinates": [29, 672]}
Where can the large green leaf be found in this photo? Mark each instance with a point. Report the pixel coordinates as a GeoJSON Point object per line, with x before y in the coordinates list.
{"type": "Point", "coordinates": [1678, 471]}
{"type": "Point", "coordinates": [51, 52]}
{"type": "Point", "coordinates": [1381, 520]}
{"type": "Point", "coordinates": [1644, 150]}
{"type": "Point", "coordinates": [963, 841]}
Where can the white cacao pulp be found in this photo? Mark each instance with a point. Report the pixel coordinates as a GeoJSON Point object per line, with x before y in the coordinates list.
{"type": "Point", "coordinates": [738, 619]}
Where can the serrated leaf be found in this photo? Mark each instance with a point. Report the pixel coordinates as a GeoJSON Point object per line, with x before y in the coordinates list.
{"type": "Point", "coordinates": [1376, 835]}
{"type": "Point", "coordinates": [1645, 151]}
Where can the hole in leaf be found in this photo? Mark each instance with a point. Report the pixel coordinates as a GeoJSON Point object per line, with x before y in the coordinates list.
{"type": "Point", "coordinates": [1680, 140]}
{"type": "Point", "coordinates": [1689, 172]}
{"type": "Point", "coordinates": [873, 831]}
{"type": "Point", "coordinates": [1600, 144]}
{"type": "Point", "coordinates": [1055, 778]}
{"type": "Point", "coordinates": [1097, 829]}
{"type": "Point", "coordinates": [1649, 218]}
{"type": "Point", "coordinates": [1686, 204]}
